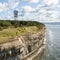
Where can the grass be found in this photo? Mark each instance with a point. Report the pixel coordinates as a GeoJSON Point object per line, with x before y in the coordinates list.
{"type": "Point", "coordinates": [7, 34]}
{"type": "Point", "coordinates": [4, 39]}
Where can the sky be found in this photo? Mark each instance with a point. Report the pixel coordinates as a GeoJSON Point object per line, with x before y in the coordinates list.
{"type": "Point", "coordinates": [37, 10]}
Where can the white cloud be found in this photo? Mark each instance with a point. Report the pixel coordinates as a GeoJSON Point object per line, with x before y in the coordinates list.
{"type": "Point", "coordinates": [43, 15]}
{"type": "Point", "coordinates": [58, 6]}
{"type": "Point", "coordinates": [28, 9]}
{"type": "Point", "coordinates": [49, 16]}
{"type": "Point", "coordinates": [13, 3]}
{"type": "Point", "coordinates": [10, 4]}
{"type": "Point", "coordinates": [3, 6]}
{"type": "Point", "coordinates": [25, 0]}
{"type": "Point", "coordinates": [43, 12]}
{"type": "Point", "coordinates": [51, 2]}
{"type": "Point", "coordinates": [31, 1]}
{"type": "Point", "coordinates": [54, 14]}
{"type": "Point", "coordinates": [34, 1]}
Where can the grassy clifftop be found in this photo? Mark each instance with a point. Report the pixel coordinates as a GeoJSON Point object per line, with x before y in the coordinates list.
{"type": "Point", "coordinates": [10, 29]}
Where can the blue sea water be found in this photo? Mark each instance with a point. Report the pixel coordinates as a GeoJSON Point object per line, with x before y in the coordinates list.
{"type": "Point", "coordinates": [52, 51]}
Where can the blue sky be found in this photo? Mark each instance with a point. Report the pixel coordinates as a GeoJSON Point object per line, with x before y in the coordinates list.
{"type": "Point", "coordinates": [39, 10]}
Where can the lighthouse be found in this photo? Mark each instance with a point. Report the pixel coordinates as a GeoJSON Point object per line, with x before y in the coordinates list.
{"type": "Point", "coordinates": [15, 14]}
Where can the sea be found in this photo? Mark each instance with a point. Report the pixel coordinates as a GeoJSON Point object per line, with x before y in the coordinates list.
{"type": "Point", "coordinates": [52, 50]}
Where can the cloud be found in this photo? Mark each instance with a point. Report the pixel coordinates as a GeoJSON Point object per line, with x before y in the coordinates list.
{"type": "Point", "coordinates": [51, 2]}
{"type": "Point", "coordinates": [27, 12]}
{"type": "Point", "coordinates": [31, 1]}
{"type": "Point", "coordinates": [13, 3]}
{"type": "Point", "coordinates": [49, 16]}
{"type": "Point", "coordinates": [26, 0]}
{"type": "Point", "coordinates": [34, 1]}
{"type": "Point", "coordinates": [46, 11]}
{"type": "Point", "coordinates": [58, 6]}
{"type": "Point", "coordinates": [28, 9]}
{"type": "Point", "coordinates": [42, 14]}
{"type": "Point", "coordinates": [3, 6]}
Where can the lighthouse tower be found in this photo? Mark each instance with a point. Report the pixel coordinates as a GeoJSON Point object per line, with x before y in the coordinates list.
{"type": "Point", "coordinates": [15, 14]}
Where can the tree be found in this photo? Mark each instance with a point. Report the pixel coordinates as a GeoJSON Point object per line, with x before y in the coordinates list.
{"type": "Point", "coordinates": [5, 24]}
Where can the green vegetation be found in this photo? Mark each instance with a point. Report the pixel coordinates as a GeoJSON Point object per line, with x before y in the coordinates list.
{"type": "Point", "coordinates": [10, 29]}
{"type": "Point", "coordinates": [9, 24]}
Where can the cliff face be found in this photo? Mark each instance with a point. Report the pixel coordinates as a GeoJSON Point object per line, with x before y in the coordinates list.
{"type": "Point", "coordinates": [23, 44]}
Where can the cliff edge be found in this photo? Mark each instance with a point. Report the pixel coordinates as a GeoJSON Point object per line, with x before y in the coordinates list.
{"type": "Point", "coordinates": [24, 43]}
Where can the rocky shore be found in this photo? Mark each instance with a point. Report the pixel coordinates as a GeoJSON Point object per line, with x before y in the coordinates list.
{"type": "Point", "coordinates": [22, 45]}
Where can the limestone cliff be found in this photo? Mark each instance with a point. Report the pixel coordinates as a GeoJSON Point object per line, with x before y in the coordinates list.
{"type": "Point", "coordinates": [23, 44]}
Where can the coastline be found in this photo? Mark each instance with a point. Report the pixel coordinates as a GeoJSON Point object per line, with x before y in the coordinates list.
{"type": "Point", "coordinates": [35, 41]}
